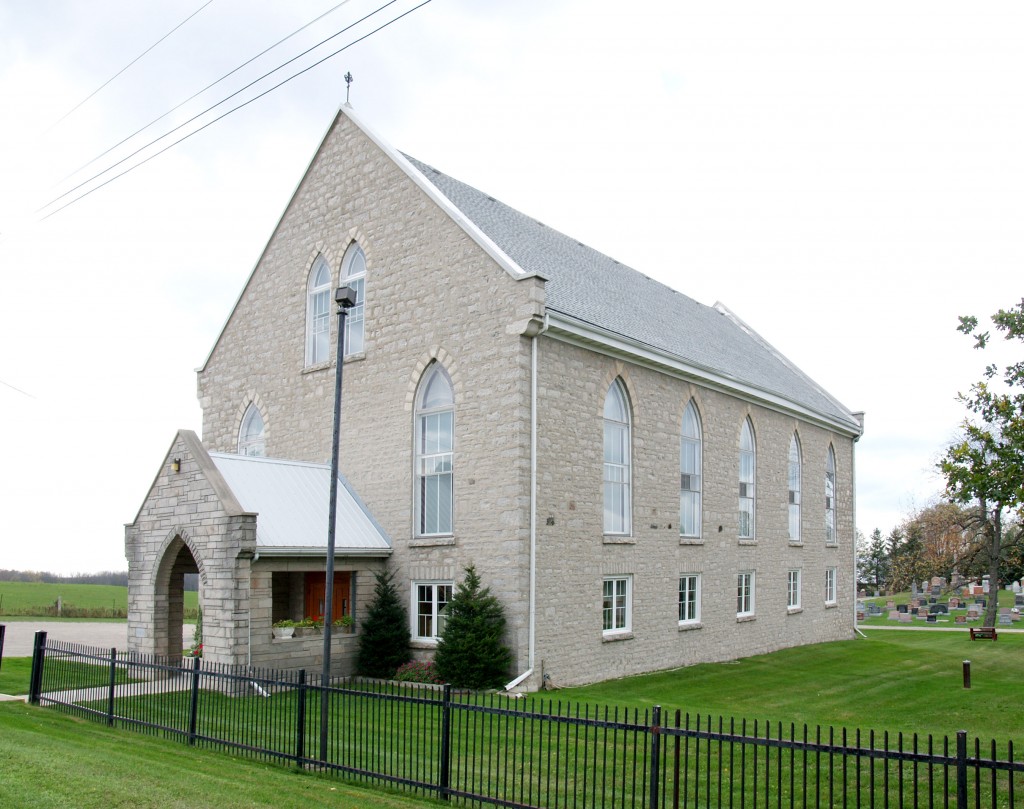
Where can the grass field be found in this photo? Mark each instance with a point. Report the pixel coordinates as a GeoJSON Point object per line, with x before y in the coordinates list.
{"type": "Point", "coordinates": [909, 681]}
{"type": "Point", "coordinates": [96, 600]}
{"type": "Point", "coordinates": [52, 759]}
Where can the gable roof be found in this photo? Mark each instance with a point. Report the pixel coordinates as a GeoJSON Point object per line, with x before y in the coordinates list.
{"type": "Point", "coordinates": [593, 290]}
{"type": "Point", "coordinates": [291, 500]}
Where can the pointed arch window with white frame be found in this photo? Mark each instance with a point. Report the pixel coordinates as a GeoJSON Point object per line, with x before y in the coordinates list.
{"type": "Point", "coordinates": [353, 275]}
{"type": "Point", "coordinates": [795, 479]}
{"type": "Point", "coordinates": [252, 433]}
{"type": "Point", "coordinates": [617, 461]}
{"type": "Point", "coordinates": [318, 313]}
{"type": "Point", "coordinates": [690, 464]}
{"type": "Point", "coordinates": [435, 453]}
{"type": "Point", "coordinates": [830, 497]}
{"type": "Point", "coordinates": [747, 472]}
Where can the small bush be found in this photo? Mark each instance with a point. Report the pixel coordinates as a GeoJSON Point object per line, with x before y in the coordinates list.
{"type": "Point", "coordinates": [418, 671]}
{"type": "Point", "coordinates": [384, 632]}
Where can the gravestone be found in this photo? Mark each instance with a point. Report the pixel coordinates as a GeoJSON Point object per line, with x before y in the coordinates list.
{"type": "Point", "coordinates": [939, 608]}
{"type": "Point", "coordinates": [894, 615]}
{"type": "Point", "coordinates": [906, 618]}
{"type": "Point", "coordinates": [890, 604]}
{"type": "Point", "coordinates": [1018, 600]}
{"type": "Point", "coordinates": [933, 618]}
{"type": "Point", "coordinates": [1005, 618]}
{"type": "Point", "coordinates": [961, 619]}
{"type": "Point", "coordinates": [902, 608]}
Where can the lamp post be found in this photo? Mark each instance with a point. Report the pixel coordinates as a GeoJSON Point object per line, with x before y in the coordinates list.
{"type": "Point", "coordinates": [345, 297]}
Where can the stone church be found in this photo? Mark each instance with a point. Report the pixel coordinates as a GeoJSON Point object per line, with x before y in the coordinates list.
{"type": "Point", "coordinates": [641, 479]}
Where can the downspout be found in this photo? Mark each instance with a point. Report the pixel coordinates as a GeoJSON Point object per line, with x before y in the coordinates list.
{"type": "Point", "coordinates": [853, 503]}
{"type": "Point", "coordinates": [531, 643]}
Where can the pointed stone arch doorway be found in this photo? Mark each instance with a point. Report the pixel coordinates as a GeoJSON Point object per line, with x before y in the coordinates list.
{"type": "Point", "coordinates": [169, 596]}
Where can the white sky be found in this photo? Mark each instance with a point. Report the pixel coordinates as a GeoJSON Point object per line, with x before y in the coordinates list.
{"type": "Point", "coordinates": [846, 177]}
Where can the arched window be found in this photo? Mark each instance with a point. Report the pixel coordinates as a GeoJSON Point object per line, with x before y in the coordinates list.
{"type": "Point", "coordinates": [747, 471]}
{"type": "Point", "coordinates": [830, 497]}
{"type": "Point", "coordinates": [690, 473]}
{"type": "Point", "coordinates": [435, 433]}
{"type": "Point", "coordinates": [353, 274]}
{"type": "Point", "coordinates": [251, 434]}
{"type": "Point", "coordinates": [795, 474]}
{"type": "Point", "coordinates": [616, 460]}
{"type": "Point", "coordinates": [318, 312]}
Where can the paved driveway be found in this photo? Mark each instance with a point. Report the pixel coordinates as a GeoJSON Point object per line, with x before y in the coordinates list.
{"type": "Point", "coordinates": [19, 635]}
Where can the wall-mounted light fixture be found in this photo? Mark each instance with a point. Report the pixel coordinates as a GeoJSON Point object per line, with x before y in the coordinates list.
{"type": "Point", "coordinates": [176, 465]}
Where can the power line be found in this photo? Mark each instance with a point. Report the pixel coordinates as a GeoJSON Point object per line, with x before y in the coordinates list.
{"type": "Point", "coordinates": [132, 62]}
{"type": "Point", "coordinates": [223, 101]}
{"type": "Point", "coordinates": [207, 87]}
{"type": "Point", "coordinates": [19, 390]}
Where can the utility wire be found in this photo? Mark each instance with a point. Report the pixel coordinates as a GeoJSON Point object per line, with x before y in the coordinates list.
{"type": "Point", "coordinates": [224, 115]}
{"type": "Point", "coordinates": [227, 75]}
{"type": "Point", "coordinates": [222, 101]}
{"type": "Point", "coordinates": [19, 390]}
{"type": "Point", "coordinates": [132, 62]}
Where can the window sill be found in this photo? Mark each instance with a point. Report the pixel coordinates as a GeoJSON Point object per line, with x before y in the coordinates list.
{"type": "Point", "coordinates": [796, 543]}
{"type": "Point", "coordinates": [687, 626]}
{"type": "Point", "coordinates": [355, 357]}
{"type": "Point", "coordinates": [793, 610]}
{"type": "Point", "coordinates": [618, 539]}
{"type": "Point", "coordinates": [431, 542]}
{"type": "Point", "coordinates": [320, 366]}
{"type": "Point", "coordinates": [613, 637]}
{"type": "Point", "coordinates": [830, 605]}
{"type": "Point", "coordinates": [831, 544]}
{"type": "Point", "coordinates": [691, 541]}
{"type": "Point", "coordinates": [423, 643]}
{"type": "Point", "coordinates": [748, 542]}
{"type": "Point", "coordinates": [742, 619]}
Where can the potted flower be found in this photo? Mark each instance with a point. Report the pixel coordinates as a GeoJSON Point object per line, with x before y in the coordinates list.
{"type": "Point", "coordinates": [283, 629]}
{"type": "Point", "coordinates": [345, 624]}
{"type": "Point", "coordinates": [308, 626]}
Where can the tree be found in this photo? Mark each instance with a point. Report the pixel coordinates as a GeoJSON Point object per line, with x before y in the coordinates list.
{"type": "Point", "coordinates": [471, 652]}
{"type": "Point", "coordinates": [984, 469]}
{"type": "Point", "coordinates": [875, 563]}
{"type": "Point", "coordinates": [384, 636]}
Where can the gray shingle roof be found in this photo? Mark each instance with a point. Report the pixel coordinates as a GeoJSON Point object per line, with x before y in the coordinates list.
{"type": "Point", "coordinates": [591, 287]}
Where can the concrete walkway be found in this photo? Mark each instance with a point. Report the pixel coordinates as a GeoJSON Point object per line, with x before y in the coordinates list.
{"type": "Point", "coordinates": [19, 635]}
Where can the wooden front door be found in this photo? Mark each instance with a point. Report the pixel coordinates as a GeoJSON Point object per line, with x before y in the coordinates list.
{"type": "Point", "coordinates": [316, 595]}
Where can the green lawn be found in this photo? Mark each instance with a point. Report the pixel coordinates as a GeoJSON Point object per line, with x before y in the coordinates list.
{"type": "Point", "coordinates": [14, 673]}
{"type": "Point", "coordinates": [55, 760]}
{"type": "Point", "coordinates": [79, 600]}
{"type": "Point", "coordinates": [910, 681]}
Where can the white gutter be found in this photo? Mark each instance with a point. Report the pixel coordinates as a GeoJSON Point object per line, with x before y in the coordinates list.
{"type": "Point", "coordinates": [533, 511]}
{"type": "Point", "coordinates": [578, 332]}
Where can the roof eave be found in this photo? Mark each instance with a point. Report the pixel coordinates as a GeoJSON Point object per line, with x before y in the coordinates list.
{"type": "Point", "coordinates": [277, 551]}
{"type": "Point", "coordinates": [573, 330]}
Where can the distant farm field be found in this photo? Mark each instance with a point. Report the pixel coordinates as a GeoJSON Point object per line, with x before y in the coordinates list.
{"type": "Point", "coordinates": [77, 600]}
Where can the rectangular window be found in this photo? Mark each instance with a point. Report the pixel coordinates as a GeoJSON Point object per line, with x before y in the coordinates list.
{"type": "Point", "coordinates": [435, 477]}
{"type": "Point", "coordinates": [689, 598]}
{"type": "Point", "coordinates": [431, 600]}
{"type": "Point", "coordinates": [793, 589]}
{"type": "Point", "coordinates": [617, 606]}
{"type": "Point", "coordinates": [830, 585]}
{"type": "Point", "coordinates": [744, 593]}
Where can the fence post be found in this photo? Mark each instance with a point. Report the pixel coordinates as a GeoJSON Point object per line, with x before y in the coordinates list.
{"type": "Point", "coordinates": [300, 720]}
{"type": "Point", "coordinates": [446, 742]}
{"type": "Point", "coordinates": [961, 769]}
{"type": "Point", "coordinates": [35, 680]}
{"type": "Point", "coordinates": [113, 679]}
{"type": "Point", "coordinates": [3, 631]}
{"type": "Point", "coordinates": [194, 703]}
{"type": "Point", "coordinates": [655, 756]}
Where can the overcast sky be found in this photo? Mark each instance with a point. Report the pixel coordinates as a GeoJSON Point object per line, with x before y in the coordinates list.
{"type": "Point", "coordinates": [845, 177]}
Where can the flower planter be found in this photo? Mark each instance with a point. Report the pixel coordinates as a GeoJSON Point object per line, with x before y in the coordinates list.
{"type": "Point", "coordinates": [283, 631]}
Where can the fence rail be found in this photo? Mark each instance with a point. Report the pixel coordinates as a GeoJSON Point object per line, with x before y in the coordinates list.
{"type": "Point", "coordinates": [487, 749]}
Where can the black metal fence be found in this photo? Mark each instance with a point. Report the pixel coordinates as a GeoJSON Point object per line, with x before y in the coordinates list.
{"type": "Point", "coordinates": [535, 752]}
